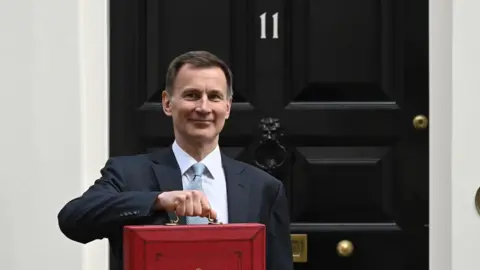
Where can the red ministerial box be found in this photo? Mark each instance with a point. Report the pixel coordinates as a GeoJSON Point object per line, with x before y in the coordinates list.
{"type": "Point", "coordinates": [194, 247]}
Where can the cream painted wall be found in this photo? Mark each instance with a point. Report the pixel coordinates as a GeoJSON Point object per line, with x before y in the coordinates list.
{"type": "Point", "coordinates": [465, 134]}
{"type": "Point", "coordinates": [53, 115]}
{"type": "Point", "coordinates": [454, 133]}
{"type": "Point", "coordinates": [54, 123]}
{"type": "Point", "coordinates": [440, 134]}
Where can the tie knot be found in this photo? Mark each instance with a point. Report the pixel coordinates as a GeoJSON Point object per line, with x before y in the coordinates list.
{"type": "Point", "coordinates": [198, 169]}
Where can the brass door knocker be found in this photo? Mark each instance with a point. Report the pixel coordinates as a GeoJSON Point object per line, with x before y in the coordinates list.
{"type": "Point", "coordinates": [270, 153]}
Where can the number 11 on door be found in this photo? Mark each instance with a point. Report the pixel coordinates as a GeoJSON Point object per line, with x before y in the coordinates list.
{"type": "Point", "coordinates": [263, 26]}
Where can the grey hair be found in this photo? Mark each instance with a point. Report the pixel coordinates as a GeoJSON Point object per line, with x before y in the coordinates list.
{"type": "Point", "coordinates": [198, 59]}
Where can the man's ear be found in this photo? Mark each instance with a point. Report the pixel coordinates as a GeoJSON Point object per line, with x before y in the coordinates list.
{"type": "Point", "coordinates": [166, 103]}
{"type": "Point", "coordinates": [229, 106]}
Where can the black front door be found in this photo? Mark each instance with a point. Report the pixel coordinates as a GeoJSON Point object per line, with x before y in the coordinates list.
{"type": "Point", "coordinates": [329, 97]}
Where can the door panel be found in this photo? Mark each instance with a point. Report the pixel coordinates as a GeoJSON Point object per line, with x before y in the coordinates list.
{"type": "Point", "coordinates": [376, 248]}
{"type": "Point", "coordinates": [341, 184]}
{"type": "Point", "coordinates": [324, 97]}
{"type": "Point", "coordinates": [342, 50]}
{"type": "Point", "coordinates": [172, 29]}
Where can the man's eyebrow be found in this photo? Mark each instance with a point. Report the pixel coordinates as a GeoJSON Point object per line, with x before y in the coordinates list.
{"type": "Point", "coordinates": [190, 89]}
{"type": "Point", "coordinates": [210, 91]}
{"type": "Point", "coordinates": [215, 90]}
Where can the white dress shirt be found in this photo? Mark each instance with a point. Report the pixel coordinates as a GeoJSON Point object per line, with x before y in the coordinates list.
{"type": "Point", "coordinates": [214, 184]}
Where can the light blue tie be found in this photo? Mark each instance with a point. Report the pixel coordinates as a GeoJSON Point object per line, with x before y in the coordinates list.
{"type": "Point", "coordinates": [196, 184]}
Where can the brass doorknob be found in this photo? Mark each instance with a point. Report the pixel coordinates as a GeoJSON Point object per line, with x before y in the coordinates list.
{"type": "Point", "coordinates": [420, 122]}
{"type": "Point", "coordinates": [345, 248]}
{"type": "Point", "coordinates": [477, 200]}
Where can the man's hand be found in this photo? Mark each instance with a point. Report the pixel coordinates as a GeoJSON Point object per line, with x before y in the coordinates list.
{"type": "Point", "coordinates": [186, 203]}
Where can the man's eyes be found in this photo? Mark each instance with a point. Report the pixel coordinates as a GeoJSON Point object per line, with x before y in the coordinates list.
{"type": "Point", "coordinates": [215, 96]}
{"type": "Point", "coordinates": [191, 95]}
{"type": "Point", "coordinates": [198, 96]}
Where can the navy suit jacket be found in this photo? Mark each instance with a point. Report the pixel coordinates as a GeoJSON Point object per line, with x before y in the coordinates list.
{"type": "Point", "coordinates": [129, 186]}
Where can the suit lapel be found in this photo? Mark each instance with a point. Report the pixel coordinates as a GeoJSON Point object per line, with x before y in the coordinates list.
{"type": "Point", "coordinates": [167, 172]}
{"type": "Point", "coordinates": [237, 191]}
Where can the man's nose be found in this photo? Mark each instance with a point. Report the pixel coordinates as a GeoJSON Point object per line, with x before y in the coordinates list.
{"type": "Point", "coordinates": [203, 105]}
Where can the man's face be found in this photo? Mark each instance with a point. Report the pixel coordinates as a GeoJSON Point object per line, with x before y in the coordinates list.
{"type": "Point", "coordinates": [199, 104]}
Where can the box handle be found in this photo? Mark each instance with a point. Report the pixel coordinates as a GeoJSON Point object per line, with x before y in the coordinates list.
{"type": "Point", "coordinates": [174, 222]}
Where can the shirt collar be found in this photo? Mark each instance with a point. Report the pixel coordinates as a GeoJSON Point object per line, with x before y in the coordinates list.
{"type": "Point", "coordinates": [212, 161]}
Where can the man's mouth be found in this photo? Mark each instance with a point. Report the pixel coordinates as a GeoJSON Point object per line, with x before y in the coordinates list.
{"type": "Point", "coordinates": [201, 120]}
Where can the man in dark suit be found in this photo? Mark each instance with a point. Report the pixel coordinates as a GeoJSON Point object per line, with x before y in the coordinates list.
{"type": "Point", "coordinates": [192, 178]}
